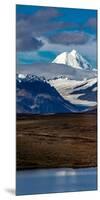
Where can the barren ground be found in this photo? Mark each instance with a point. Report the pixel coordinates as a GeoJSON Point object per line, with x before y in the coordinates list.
{"type": "Point", "coordinates": [67, 140]}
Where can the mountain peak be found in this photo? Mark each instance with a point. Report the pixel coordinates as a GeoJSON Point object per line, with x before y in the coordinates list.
{"type": "Point", "coordinates": [73, 52]}
{"type": "Point", "coordinates": [73, 59]}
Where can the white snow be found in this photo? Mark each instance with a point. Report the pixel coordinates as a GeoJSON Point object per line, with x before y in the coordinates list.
{"type": "Point", "coordinates": [94, 89]}
{"type": "Point", "coordinates": [21, 76]}
{"type": "Point", "coordinates": [65, 83]}
{"type": "Point", "coordinates": [88, 83]}
{"type": "Point", "coordinates": [73, 59]}
{"type": "Point", "coordinates": [66, 87]}
{"type": "Point", "coordinates": [74, 99]}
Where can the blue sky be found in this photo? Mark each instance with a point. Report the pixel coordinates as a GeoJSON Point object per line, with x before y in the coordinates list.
{"type": "Point", "coordinates": [43, 32]}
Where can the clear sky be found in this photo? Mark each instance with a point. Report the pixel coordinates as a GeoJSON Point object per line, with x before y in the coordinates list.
{"type": "Point", "coordinates": [44, 32]}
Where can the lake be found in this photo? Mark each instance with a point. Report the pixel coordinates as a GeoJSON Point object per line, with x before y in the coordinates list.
{"type": "Point", "coordinates": [55, 180]}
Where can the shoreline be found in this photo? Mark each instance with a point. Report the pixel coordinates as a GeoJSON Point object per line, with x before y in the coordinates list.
{"type": "Point", "coordinates": [45, 168]}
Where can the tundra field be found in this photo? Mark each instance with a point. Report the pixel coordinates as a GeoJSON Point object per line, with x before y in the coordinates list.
{"type": "Point", "coordinates": [63, 140]}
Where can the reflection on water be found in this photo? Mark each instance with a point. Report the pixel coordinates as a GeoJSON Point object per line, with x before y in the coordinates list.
{"type": "Point", "coordinates": [55, 180]}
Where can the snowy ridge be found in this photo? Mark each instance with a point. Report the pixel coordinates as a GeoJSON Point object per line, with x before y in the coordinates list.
{"type": "Point", "coordinates": [40, 96]}
{"type": "Point", "coordinates": [77, 92]}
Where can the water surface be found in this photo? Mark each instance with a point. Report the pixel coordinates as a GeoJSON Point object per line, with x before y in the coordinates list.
{"type": "Point", "coordinates": [55, 180]}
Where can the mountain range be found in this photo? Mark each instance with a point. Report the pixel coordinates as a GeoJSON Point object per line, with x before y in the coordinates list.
{"type": "Point", "coordinates": [68, 84]}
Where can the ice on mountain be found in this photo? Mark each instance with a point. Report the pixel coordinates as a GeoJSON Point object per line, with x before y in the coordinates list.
{"type": "Point", "coordinates": [73, 59]}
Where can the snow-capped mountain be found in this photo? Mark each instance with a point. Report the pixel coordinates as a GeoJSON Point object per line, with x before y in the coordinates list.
{"type": "Point", "coordinates": [40, 96]}
{"type": "Point", "coordinates": [53, 70]}
{"type": "Point", "coordinates": [35, 95]}
{"type": "Point", "coordinates": [69, 84]}
{"type": "Point", "coordinates": [73, 59]}
{"type": "Point", "coordinates": [72, 65]}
